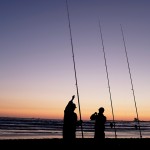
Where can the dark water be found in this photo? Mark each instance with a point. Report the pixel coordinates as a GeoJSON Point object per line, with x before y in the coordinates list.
{"type": "Point", "coordinates": [31, 128]}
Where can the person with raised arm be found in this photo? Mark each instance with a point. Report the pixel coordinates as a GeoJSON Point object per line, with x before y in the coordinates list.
{"type": "Point", "coordinates": [70, 121]}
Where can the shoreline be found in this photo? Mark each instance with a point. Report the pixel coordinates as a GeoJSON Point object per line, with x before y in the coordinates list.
{"type": "Point", "coordinates": [116, 143]}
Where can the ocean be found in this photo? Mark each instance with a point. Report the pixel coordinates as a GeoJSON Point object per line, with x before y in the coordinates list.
{"type": "Point", "coordinates": [36, 128]}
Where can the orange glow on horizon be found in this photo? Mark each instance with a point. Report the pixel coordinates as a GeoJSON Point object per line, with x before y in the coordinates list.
{"type": "Point", "coordinates": [47, 115]}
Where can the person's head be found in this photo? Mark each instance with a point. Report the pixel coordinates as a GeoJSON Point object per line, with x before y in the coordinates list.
{"type": "Point", "coordinates": [73, 106]}
{"type": "Point", "coordinates": [101, 110]}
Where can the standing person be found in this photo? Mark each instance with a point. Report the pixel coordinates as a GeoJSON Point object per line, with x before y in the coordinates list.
{"type": "Point", "coordinates": [70, 121]}
{"type": "Point", "coordinates": [100, 121]}
{"type": "Point", "coordinates": [111, 125]}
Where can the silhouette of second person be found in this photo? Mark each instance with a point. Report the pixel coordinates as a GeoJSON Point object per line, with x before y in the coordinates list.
{"type": "Point", "coordinates": [100, 121]}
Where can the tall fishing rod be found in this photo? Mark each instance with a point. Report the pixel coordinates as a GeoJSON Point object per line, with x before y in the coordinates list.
{"type": "Point", "coordinates": [74, 63]}
{"type": "Point", "coordinates": [107, 77]}
{"type": "Point", "coordinates": [130, 78]}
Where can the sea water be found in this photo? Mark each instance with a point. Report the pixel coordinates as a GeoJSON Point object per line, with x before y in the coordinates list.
{"type": "Point", "coordinates": [36, 128]}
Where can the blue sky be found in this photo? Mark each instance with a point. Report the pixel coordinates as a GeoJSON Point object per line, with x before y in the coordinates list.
{"type": "Point", "coordinates": [37, 75]}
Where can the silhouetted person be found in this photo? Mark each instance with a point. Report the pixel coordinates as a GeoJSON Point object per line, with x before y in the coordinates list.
{"type": "Point", "coordinates": [111, 125]}
{"type": "Point", "coordinates": [136, 126]}
{"type": "Point", "coordinates": [70, 121]}
{"type": "Point", "coordinates": [100, 121]}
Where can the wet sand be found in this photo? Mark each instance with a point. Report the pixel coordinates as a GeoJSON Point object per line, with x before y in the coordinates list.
{"type": "Point", "coordinates": [114, 143]}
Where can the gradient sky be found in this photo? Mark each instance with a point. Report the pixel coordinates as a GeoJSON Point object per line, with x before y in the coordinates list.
{"type": "Point", "coordinates": [37, 76]}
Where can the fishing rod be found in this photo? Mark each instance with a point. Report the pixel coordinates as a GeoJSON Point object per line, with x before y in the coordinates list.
{"type": "Point", "coordinates": [107, 77]}
{"type": "Point", "coordinates": [130, 79]}
{"type": "Point", "coordinates": [74, 63]}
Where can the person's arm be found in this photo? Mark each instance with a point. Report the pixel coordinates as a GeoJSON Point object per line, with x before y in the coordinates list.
{"type": "Point", "coordinates": [71, 101]}
{"type": "Point", "coordinates": [72, 98]}
{"type": "Point", "coordinates": [79, 122]}
{"type": "Point", "coordinates": [93, 116]}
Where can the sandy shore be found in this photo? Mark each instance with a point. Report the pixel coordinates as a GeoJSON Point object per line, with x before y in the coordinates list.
{"type": "Point", "coordinates": [83, 142]}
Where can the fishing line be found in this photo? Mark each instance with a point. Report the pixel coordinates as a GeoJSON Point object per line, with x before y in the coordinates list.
{"type": "Point", "coordinates": [131, 79]}
{"type": "Point", "coordinates": [107, 77]}
{"type": "Point", "coordinates": [76, 83]}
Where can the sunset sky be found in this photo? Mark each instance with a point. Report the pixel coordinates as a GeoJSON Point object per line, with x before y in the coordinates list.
{"type": "Point", "coordinates": [37, 77]}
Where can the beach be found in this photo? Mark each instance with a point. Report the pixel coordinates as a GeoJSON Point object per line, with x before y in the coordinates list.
{"type": "Point", "coordinates": [26, 133]}
{"type": "Point", "coordinates": [113, 143]}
